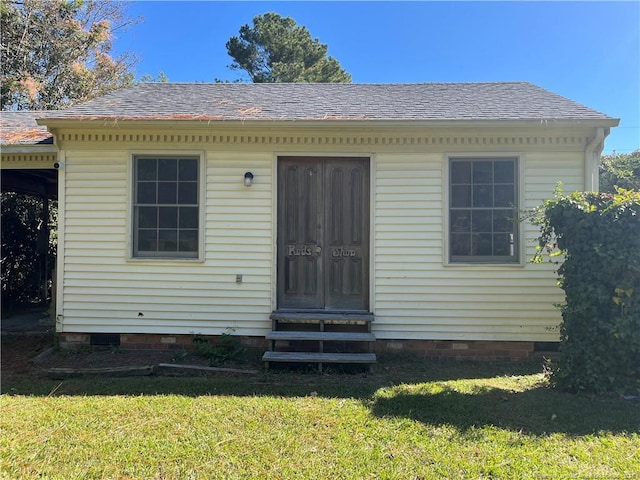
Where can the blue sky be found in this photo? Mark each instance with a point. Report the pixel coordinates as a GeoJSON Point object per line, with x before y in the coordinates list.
{"type": "Point", "coordinates": [586, 51]}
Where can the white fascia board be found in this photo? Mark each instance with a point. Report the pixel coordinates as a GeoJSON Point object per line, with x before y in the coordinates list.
{"type": "Point", "coordinates": [64, 123]}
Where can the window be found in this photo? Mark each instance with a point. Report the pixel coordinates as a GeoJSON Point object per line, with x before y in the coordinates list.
{"type": "Point", "coordinates": [483, 210]}
{"type": "Point", "coordinates": [165, 207]}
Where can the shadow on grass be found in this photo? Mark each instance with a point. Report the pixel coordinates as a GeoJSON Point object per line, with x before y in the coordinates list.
{"type": "Point", "coordinates": [538, 411]}
{"type": "Point", "coordinates": [284, 381]}
{"type": "Point", "coordinates": [408, 388]}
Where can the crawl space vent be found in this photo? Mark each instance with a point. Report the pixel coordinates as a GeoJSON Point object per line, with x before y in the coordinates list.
{"type": "Point", "coordinates": [105, 339]}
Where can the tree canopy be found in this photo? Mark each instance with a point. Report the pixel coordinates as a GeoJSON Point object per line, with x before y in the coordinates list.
{"type": "Point", "coordinates": [277, 50]}
{"type": "Point", "coordinates": [58, 52]}
{"type": "Point", "coordinates": [620, 170]}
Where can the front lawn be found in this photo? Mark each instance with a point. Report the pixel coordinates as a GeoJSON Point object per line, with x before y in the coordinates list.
{"type": "Point", "coordinates": [411, 419]}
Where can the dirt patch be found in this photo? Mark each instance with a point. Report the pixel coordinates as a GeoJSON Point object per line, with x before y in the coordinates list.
{"type": "Point", "coordinates": [98, 357]}
{"type": "Point", "coordinates": [18, 352]}
{"type": "Point", "coordinates": [36, 355]}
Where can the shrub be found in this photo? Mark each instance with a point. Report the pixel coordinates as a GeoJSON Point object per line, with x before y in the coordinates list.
{"type": "Point", "coordinates": [227, 349]}
{"type": "Point", "coordinates": [598, 235]}
{"type": "Point", "coordinates": [620, 170]}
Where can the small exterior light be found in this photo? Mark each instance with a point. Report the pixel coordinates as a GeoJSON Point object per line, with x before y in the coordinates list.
{"type": "Point", "coordinates": [248, 179]}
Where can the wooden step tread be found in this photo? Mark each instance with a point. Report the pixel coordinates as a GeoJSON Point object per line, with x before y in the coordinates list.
{"type": "Point", "coordinates": [315, 357]}
{"type": "Point", "coordinates": [322, 336]}
{"type": "Point", "coordinates": [328, 318]}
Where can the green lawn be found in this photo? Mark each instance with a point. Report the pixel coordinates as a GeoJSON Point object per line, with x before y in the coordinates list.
{"type": "Point", "coordinates": [411, 419]}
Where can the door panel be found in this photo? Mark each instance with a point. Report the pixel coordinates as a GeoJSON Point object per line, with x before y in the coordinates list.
{"type": "Point", "coordinates": [347, 211]}
{"type": "Point", "coordinates": [299, 227]}
{"type": "Point", "coordinates": [323, 232]}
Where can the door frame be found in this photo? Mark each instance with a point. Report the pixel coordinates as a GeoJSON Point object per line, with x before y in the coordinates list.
{"type": "Point", "coordinates": [275, 208]}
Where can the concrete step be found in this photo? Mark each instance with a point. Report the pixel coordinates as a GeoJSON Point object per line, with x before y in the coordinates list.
{"type": "Point", "coordinates": [322, 336]}
{"type": "Point", "coordinates": [314, 357]}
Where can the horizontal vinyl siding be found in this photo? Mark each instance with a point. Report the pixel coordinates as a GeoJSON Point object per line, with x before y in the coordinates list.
{"type": "Point", "coordinates": [105, 292]}
{"type": "Point", "coordinates": [417, 296]}
{"type": "Point", "coordinates": [414, 294]}
{"type": "Point", "coordinates": [543, 174]}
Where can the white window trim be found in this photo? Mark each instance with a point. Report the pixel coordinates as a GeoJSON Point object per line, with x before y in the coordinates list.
{"type": "Point", "coordinates": [202, 195]}
{"type": "Point", "coordinates": [520, 161]}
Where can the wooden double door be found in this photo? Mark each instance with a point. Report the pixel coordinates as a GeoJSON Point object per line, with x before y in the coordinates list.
{"type": "Point", "coordinates": [323, 233]}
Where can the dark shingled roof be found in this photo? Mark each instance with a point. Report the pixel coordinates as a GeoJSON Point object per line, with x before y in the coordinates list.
{"type": "Point", "coordinates": [20, 128]}
{"type": "Point", "coordinates": [331, 101]}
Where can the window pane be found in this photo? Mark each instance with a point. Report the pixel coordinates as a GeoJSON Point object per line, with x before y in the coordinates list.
{"type": "Point", "coordinates": [483, 202]}
{"type": "Point", "coordinates": [167, 240]}
{"type": "Point", "coordinates": [188, 170]}
{"type": "Point", "coordinates": [188, 217]}
{"type": "Point", "coordinates": [461, 220]}
{"type": "Point", "coordinates": [188, 241]}
{"type": "Point", "coordinates": [147, 217]}
{"type": "Point", "coordinates": [146, 192]}
{"type": "Point", "coordinates": [147, 169]}
{"type": "Point", "coordinates": [460, 244]}
{"type": "Point", "coordinates": [505, 171]}
{"type": "Point", "coordinates": [460, 172]}
{"type": "Point", "coordinates": [166, 207]}
{"type": "Point", "coordinates": [503, 196]}
{"type": "Point", "coordinates": [147, 241]}
{"type": "Point", "coordinates": [503, 221]}
{"type": "Point", "coordinates": [481, 221]}
{"type": "Point", "coordinates": [502, 244]}
{"type": "Point", "coordinates": [167, 192]}
{"type": "Point", "coordinates": [168, 217]}
{"type": "Point", "coordinates": [461, 196]}
{"type": "Point", "coordinates": [482, 172]}
{"type": "Point", "coordinates": [482, 196]}
{"type": "Point", "coordinates": [481, 244]}
{"type": "Point", "coordinates": [188, 193]}
{"type": "Point", "coordinates": [167, 169]}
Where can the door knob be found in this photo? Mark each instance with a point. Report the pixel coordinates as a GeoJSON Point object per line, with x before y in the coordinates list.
{"type": "Point", "coordinates": [318, 250]}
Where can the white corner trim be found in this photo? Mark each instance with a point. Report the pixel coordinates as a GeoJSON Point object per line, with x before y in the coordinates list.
{"type": "Point", "coordinates": [591, 160]}
{"type": "Point", "coordinates": [60, 253]}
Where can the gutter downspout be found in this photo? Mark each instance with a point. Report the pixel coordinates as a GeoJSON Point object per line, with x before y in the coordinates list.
{"type": "Point", "coordinates": [592, 160]}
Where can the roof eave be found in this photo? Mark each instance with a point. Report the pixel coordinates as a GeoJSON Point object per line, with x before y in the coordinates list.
{"type": "Point", "coordinates": [29, 148]}
{"type": "Point", "coordinates": [342, 123]}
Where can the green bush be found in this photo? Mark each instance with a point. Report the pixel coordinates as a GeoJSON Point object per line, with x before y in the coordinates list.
{"type": "Point", "coordinates": [620, 170]}
{"type": "Point", "coordinates": [598, 234]}
{"type": "Point", "coordinates": [227, 349]}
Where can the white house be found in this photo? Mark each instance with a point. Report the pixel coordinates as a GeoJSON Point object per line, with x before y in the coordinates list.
{"type": "Point", "coordinates": [203, 209]}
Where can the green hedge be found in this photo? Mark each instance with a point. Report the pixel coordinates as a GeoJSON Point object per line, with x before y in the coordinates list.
{"type": "Point", "coordinates": [598, 235]}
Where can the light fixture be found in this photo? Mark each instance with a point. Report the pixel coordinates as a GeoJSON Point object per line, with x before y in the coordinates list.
{"type": "Point", "coordinates": [248, 179]}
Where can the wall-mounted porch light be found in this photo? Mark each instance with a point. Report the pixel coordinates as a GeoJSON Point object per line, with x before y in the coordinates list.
{"type": "Point", "coordinates": [248, 179]}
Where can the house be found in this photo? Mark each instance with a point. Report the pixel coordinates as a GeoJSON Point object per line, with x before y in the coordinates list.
{"type": "Point", "coordinates": [204, 209]}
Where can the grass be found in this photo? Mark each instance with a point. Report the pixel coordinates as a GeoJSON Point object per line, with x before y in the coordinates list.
{"type": "Point", "coordinates": [411, 419]}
